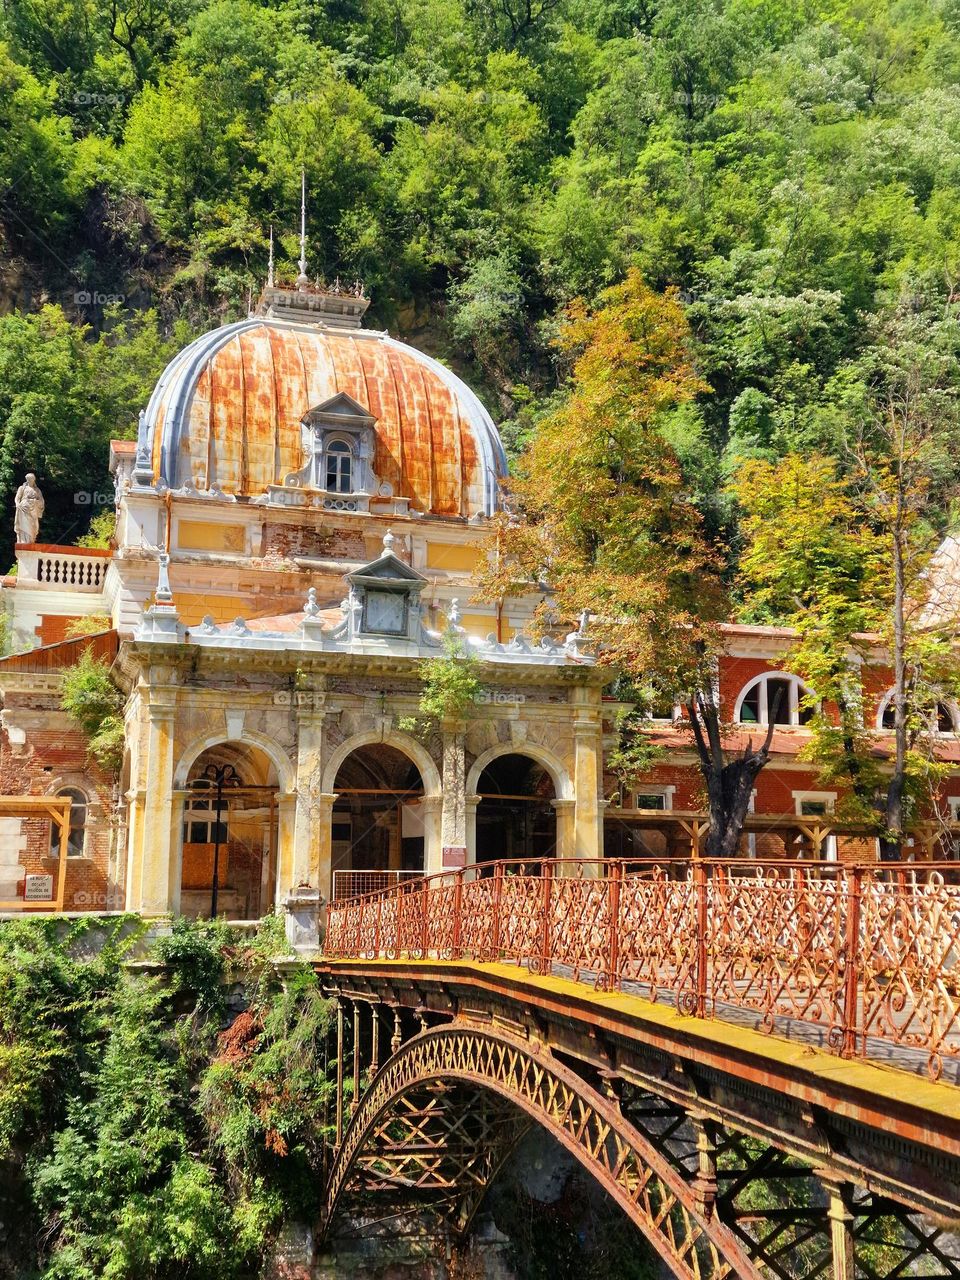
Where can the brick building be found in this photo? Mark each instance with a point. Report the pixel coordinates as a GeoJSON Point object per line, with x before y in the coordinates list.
{"type": "Point", "coordinates": [298, 523]}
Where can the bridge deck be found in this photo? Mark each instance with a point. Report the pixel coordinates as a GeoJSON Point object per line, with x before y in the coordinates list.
{"type": "Point", "coordinates": [864, 1090]}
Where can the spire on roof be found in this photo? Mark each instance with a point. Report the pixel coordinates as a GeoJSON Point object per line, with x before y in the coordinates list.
{"type": "Point", "coordinates": [270, 261]}
{"type": "Point", "coordinates": [303, 280]}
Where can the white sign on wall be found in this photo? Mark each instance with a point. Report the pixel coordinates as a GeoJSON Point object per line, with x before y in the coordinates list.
{"type": "Point", "coordinates": [37, 888]}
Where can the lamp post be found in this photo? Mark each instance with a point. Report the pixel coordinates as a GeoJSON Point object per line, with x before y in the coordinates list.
{"type": "Point", "coordinates": [221, 775]}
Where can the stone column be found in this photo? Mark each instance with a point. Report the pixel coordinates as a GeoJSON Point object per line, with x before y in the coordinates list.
{"type": "Point", "coordinates": [286, 828]}
{"type": "Point", "coordinates": [472, 803]}
{"type": "Point", "coordinates": [311, 839]}
{"type": "Point", "coordinates": [453, 823]}
{"type": "Point", "coordinates": [431, 807]}
{"type": "Point", "coordinates": [588, 773]}
{"type": "Point", "coordinates": [323, 808]}
{"type": "Point", "coordinates": [156, 888]}
{"type": "Point", "coordinates": [566, 827]}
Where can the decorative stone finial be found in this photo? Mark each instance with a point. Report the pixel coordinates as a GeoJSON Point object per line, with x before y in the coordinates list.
{"type": "Point", "coordinates": [453, 616]}
{"type": "Point", "coordinates": [303, 280]}
{"type": "Point", "coordinates": [311, 608]}
{"type": "Point", "coordinates": [389, 541]}
{"type": "Point", "coordinates": [270, 261]}
{"type": "Point", "coordinates": [575, 639]}
{"type": "Point", "coordinates": [163, 594]}
{"type": "Point", "coordinates": [28, 508]}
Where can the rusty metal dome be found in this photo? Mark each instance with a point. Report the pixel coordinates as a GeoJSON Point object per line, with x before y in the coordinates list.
{"type": "Point", "coordinates": [227, 412]}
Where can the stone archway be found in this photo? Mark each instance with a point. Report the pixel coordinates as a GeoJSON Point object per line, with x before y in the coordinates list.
{"type": "Point", "coordinates": [384, 816]}
{"type": "Point", "coordinates": [229, 833]}
{"type": "Point", "coordinates": [517, 800]}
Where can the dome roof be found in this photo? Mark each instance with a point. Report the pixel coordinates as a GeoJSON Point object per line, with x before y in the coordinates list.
{"type": "Point", "coordinates": [227, 414]}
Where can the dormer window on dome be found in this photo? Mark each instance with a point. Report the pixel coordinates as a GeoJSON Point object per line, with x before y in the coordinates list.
{"type": "Point", "coordinates": [339, 467]}
{"type": "Point", "coordinates": [338, 444]}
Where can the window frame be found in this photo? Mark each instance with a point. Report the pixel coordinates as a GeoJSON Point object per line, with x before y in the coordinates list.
{"type": "Point", "coordinates": [78, 800]}
{"type": "Point", "coordinates": [796, 690]}
{"type": "Point", "coordinates": [665, 793]}
{"type": "Point", "coordinates": [339, 453]}
{"type": "Point", "coordinates": [829, 801]}
{"type": "Point", "coordinates": [952, 709]}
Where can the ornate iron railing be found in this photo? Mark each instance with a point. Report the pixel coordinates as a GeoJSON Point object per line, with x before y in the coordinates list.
{"type": "Point", "coordinates": [860, 959]}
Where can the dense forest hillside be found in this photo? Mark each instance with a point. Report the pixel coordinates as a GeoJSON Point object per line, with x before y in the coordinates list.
{"type": "Point", "coordinates": [790, 167]}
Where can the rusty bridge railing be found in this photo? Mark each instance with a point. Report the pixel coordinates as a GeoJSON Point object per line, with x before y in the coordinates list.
{"type": "Point", "coordinates": [860, 959]}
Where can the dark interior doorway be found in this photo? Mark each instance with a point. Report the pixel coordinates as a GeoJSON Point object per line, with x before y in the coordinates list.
{"type": "Point", "coordinates": [515, 817]}
{"type": "Point", "coordinates": [377, 820]}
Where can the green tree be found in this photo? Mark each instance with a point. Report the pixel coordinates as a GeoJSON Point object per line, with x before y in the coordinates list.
{"type": "Point", "coordinates": [849, 560]}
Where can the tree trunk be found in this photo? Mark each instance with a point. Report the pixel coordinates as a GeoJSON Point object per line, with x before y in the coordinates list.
{"type": "Point", "coordinates": [729, 782]}
{"type": "Point", "coordinates": [891, 845]}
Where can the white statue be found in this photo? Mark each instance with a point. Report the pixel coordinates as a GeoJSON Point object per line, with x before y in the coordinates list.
{"type": "Point", "coordinates": [28, 510]}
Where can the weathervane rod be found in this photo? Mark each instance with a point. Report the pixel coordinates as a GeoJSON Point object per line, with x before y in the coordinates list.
{"type": "Point", "coordinates": [302, 278]}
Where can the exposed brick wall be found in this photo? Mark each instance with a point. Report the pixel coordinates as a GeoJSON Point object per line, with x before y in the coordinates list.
{"type": "Point", "coordinates": [55, 756]}
{"type": "Point", "coordinates": [283, 542]}
{"type": "Point", "coordinates": [53, 627]}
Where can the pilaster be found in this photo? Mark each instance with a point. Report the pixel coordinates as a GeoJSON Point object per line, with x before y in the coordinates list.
{"type": "Point", "coordinates": [310, 863]}
{"type": "Point", "coordinates": [156, 882]}
{"type": "Point", "coordinates": [587, 773]}
{"type": "Point", "coordinates": [453, 822]}
{"type": "Point", "coordinates": [431, 807]}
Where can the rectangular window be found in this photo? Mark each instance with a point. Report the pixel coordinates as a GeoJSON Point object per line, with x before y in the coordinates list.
{"type": "Point", "coordinates": [650, 800]}
{"type": "Point", "coordinates": [204, 830]}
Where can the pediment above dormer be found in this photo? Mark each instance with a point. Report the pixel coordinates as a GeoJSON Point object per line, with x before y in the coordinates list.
{"type": "Point", "coordinates": [340, 410]}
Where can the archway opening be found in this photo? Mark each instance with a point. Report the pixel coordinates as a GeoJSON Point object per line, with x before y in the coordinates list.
{"type": "Point", "coordinates": [378, 820]}
{"type": "Point", "coordinates": [515, 816]}
{"type": "Point", "coordinates": [229, 834]}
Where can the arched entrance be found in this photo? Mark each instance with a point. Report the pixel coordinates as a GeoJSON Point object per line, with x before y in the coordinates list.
{"type": "Point", "coordinates": [516, 817]}
{"type": "Point", "coordinates": [228, 862]}
{"type": "Point", "coordinates": [378, 820]}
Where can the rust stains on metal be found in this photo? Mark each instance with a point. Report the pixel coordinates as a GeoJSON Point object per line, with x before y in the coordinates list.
{"type": "Point", "coordinates": [238, 424]}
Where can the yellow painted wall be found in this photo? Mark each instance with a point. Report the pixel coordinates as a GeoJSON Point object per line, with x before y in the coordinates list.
{"type": "Point", "coordinates": [452, 556]}
{"type": "Point", "coordinates": [207, 535]}
{"type": "Point", "coordinates": [194, 608]}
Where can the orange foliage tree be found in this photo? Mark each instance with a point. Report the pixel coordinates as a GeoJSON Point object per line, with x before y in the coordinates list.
{"type": "Point", "coordinates": [603, 519]}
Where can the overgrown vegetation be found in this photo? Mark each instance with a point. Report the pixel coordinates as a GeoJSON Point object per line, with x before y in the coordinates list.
{"type": "Point", "coordinates": [789, 167]}
{"type": "Point", "coordinates": [148, 1128]}
{"type": "Point", "coordinates": [450, 686]}
{"type": "Point", "coordinates": [95, 704]}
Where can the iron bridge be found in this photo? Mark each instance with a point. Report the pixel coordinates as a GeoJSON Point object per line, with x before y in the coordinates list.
{"type": "Point", "coordinates": [759, 1063]}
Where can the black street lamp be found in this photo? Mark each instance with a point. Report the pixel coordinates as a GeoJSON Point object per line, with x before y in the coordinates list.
{"type": "Point", "coordinates": [221, 775]}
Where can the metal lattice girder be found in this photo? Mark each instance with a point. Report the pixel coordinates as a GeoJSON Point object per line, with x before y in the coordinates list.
{"type": "Point", "coordinates": [404, 1102]}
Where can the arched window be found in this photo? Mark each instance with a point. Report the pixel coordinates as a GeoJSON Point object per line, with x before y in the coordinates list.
{"type": "Point", "coordinates": [946, 716]}
{"type": "Point", "coordinates": [78, 824]}
{"type": "Point", "coordinates": [774, 697]}
{"type": "Point", "coordinates": [339, 467]}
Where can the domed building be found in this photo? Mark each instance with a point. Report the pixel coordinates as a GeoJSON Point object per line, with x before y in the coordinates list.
{"type": "Point", "coordinates": [298, 524]}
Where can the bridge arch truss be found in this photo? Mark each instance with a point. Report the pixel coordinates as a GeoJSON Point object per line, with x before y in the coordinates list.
{"type": "Point", "coordinates": [443, 1115]}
